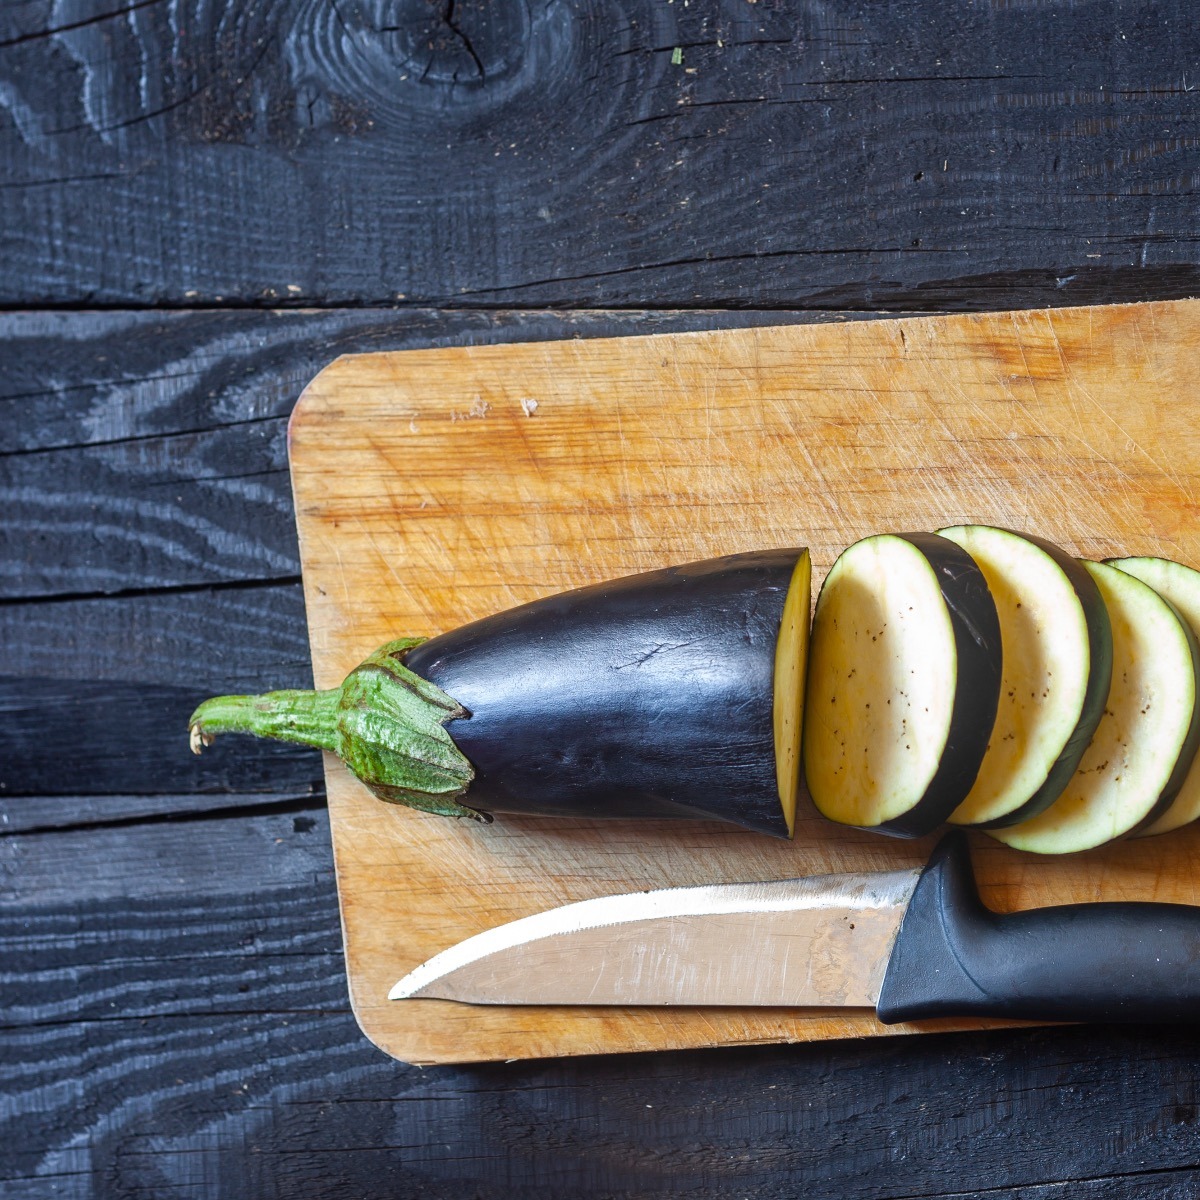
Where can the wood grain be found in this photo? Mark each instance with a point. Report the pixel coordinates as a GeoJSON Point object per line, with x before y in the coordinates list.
{"type": "Point", "coordinates": [155, 153]}
{"type": "Point", "coordinates": [800, 154]}
{"type": "Point", "coordinates": [169, 431]}
{"type": "Point", "coordinates": [148, 554]}
{"type": "Point", "coordinates": [147, 1052]}
{"type": "Point", "coordinates": [175, 1022]}
{"type": "Point", "coordinates": [430, 491]}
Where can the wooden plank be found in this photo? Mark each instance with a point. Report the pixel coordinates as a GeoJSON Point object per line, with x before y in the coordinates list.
{"type": "Point", "coordinates": [41, 814]}
{"type": "Point", "coordinates": [429, 492]}
{"type": "Point", "coordinates": [796, 155]}
{"type": "Point", "coordinates": [144, 1054]}
{"type": "Point", "coordinates": [228, 638]}
{"type": "Point", "coordinates": [208, 507]}
{"type": "Point", "coordinates": [296, 1104]}
{"type": "Point", "coordinates": [141, 1049]}
{"type": "Point", "coordinates": [97, 693]}
{"type": "Point", "coordinates": [210, 858]}
{"type": "Point", "coordinates": [169, 431]}
{"type": "Point", "coordinates": [60, 737]}
{"type": "Point", "coordinates": [89, 378]}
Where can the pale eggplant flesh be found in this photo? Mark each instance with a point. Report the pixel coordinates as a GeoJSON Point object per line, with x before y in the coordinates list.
{"type": "Point", "coordinates": [1180, 587]}
{"type": "Point", "coordinates": [904, 681]}
{"type": "Point", "coordinates": [1144, 745]}
{"type": "Point", "coordinates": [1057, 668]}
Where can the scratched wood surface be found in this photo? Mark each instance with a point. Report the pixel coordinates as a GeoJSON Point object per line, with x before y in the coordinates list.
{"type": "Point", "coordinates": [434, 487]}
{"type": "Point", "coordinates": [585, 153]}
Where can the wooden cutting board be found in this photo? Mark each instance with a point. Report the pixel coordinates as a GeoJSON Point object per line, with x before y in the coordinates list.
{"type": "Point", "coordinates": [435, 487]}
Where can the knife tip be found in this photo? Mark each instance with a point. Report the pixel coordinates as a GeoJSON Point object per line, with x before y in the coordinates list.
{"type": "Point", "coordinates": [402, 989]}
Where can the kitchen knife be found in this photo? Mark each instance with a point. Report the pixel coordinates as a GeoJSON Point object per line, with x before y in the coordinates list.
{"type": "Point", "coordinates": [911, 944]}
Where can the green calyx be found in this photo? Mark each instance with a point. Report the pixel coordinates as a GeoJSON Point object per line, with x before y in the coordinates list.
{"type": "Point", "coordinates": [387, 724]}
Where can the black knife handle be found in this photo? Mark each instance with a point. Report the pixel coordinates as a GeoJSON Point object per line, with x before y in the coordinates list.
{"type": "Point", "coordinates": [954, 957]}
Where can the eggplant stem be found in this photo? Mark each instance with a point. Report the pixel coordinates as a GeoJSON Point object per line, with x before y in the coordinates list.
{"type": "Point", "coordinates": [385, 722]}
{"type": "Point", "coordinates": [307, 718]}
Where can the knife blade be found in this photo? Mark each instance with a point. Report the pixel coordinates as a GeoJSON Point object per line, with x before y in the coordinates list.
{"type": "Point", "coordinates": [911, 944]}
{"type": "Point", "coordinates": [821, 940]}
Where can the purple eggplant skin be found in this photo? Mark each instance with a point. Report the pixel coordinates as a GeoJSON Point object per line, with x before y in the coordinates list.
{"type": "Point", "coordinates": [649, 696]}
{"type": "Point", "coordinates": [977, 696]}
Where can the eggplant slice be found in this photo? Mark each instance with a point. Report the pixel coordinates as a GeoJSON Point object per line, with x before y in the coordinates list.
{"type": "Point", "coordinates": [1057, 647]}
{"type": "Point", "coordinates": [903, 683]}
{"type": "Point", "coordinates": [1179, 586]}
{"type": "Point", "coordinates": [650, 696]}
{"type": "Point", "coordinates": [1146, 740]}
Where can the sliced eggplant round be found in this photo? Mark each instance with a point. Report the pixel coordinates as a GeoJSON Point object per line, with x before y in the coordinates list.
{"type": "Point", "coordinates": [1179, 586]}
{"type": "Point", "coordinates": [1057, 646]}
{"type": "Point", "coordinates": [903, 683]}
{"type": "Point", "coordinates": [1146, 740]}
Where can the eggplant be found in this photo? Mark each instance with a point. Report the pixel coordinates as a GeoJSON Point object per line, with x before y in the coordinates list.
{"type": "Point", "coordinates": [675, 693]}
{"type": "Point", "coordinates": [903, 684]}
{"type": "Point", "coordinates": [1180, 587]}
{"type": "Point", "coordinates": [1144, 746]}
{"type": "Point", "coordinates": [1057, 655]}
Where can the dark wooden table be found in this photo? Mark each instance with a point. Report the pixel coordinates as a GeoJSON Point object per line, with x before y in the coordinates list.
{"type": "Point", "coordinates": [200, 205]}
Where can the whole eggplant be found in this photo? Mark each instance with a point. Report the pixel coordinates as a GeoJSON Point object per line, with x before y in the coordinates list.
{"type": "Point", "coordinates": [649, 696]}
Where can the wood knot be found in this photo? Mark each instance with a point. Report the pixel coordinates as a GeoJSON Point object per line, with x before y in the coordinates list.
{"type": "Point", "coordinates": [441, 44]}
